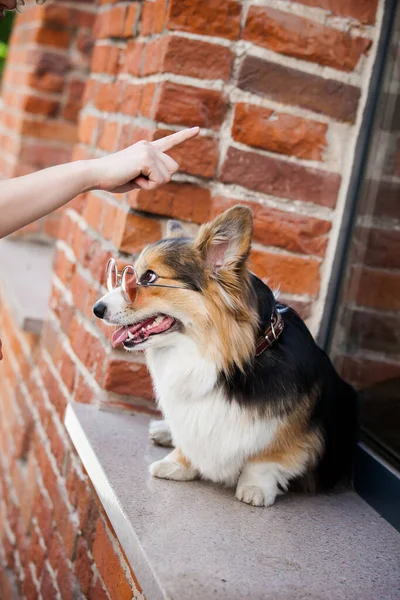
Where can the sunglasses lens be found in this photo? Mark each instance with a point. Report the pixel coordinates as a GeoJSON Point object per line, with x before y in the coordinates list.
{"type": "Point", "coordinates": [112, 274]}
{"type": "Point", "coordinates": [129, 284]}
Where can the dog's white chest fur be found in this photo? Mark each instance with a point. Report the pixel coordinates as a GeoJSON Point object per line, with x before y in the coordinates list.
{"type": "Point", "coordinates": [216, 435]}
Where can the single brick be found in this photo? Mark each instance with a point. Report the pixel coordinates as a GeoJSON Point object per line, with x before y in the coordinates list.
{"type": "Point", "coordinates": [207, 17]}
{"type": "Point", "coordinates": [289, 230]}
{"type": "Point", "coordinates": [109, 133]}
{"type": "Point", "coordinates": [131, 99]}
{"type": "Point", "coordinates": [377, 247]}
{"type": "Point", "coordinates": [133, 231]}
{"type": "Point", "coordinates": [132, 57]}
{"type": "Point", "coordinates": [187, 105]}
{"type": "Point", "coordinates": [377, 289]}
{"type": "Point", "coordinates": [109, 219]}
{"type": "Point", "coordinates": [110, 23]}
{"type": "Point", "coordinates": [384, 195]}
{"type": "Point", "coordinates": [117, 22]}
{"type": "Point", "coordinates": [41, 154]}
{"type": "Point", "coordinates": [47, 82]}
{"type": "Point", "coordinates": [362, 10]}
{"type": "Point", "coordinates": [58, 16]}
{"type": "Point", "coordinates": [279, 132]}
{"type": "Point", "coordinates": [108, 96]}
{"type": "Point", "coordinates": [152, 18]}
{"type": "Point", "coordinates": [363, 372]}
{"type": "Point", "coordinates": [73, 102]}
{"type": "Point", "coordinates": [125, 377]}
{"type": "Point", "coordinates": [90, 92]}
{"type": "Point", "coordinates": [290, 86]}
{"type": "Point", "coordinates": [280, 178]}
{"type": "Point", "coordinates": [153, 56]}
{"type": "Point", "coordinates": [149, 99]}
{"type": "Point", "coordinates": [106, 59]}
{"type": "Point", "coordinates": [291, 274]}
{"type": "Point", "coordinates": [179, 200]}
{"type": "Point", "coordinates": [195, 58]}
{"type": "Point", "coordinates": [93, 210]}
{"type": "Point", "coordinates": [374, 331]}
{"type": "Point", "coordinates": [39, 105]}
{"type": "Point", "coordinates": [51, 37]}
{"type": "Point", "coordinates": [296, 36]}
{"type": "Point", "coordinates": [131, 18]}
{"type": "Point", "coordinates": [50, 130]}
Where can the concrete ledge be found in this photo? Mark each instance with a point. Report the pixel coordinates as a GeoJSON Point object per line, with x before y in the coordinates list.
{"type": "Point", "coordinates": [194, 541]}
{"type": "Point", "coordinates": [25, 275]}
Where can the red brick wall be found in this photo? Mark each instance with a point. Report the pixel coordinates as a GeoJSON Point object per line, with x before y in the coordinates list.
{"type": "Point", "coordinates": [42, 90]}
{"type": "Point", "coordinates": [278, 95]}
{"type": "Point", "coordinates": [54, 535]}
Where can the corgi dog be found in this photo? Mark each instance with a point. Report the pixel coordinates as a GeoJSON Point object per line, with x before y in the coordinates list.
{"type": "Point", "coordinates": [249, 399]}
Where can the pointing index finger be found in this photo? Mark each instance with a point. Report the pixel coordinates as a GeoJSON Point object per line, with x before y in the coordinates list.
{"type": "Point", "coordinates": [170, 141]}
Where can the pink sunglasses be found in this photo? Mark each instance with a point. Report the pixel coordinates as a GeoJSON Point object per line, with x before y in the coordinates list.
{"type": "Point", "coordinates": [129, 281]}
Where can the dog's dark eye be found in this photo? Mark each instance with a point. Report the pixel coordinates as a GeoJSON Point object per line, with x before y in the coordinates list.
{"type": "Point", "coordinates": [148, 277]}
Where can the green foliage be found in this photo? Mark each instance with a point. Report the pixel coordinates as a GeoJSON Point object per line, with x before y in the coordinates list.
{"type": "Point", "coordinates": [6, 26]}
{"type": "Point", "coordinates": [5, 32]}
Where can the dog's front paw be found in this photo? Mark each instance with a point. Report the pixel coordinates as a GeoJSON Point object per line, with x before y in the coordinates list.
{"type": "Point", "coordinates": [160, 434]}
{"type": "Point", "coordinates": [252, 494]}
{"type": "Point", "coordinates": [169, 469]}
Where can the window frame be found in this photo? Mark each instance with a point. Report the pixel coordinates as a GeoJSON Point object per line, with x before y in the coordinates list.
{"type": "Point", "coordinates": [375, 480]}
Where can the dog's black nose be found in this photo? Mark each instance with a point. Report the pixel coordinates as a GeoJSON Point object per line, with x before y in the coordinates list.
{"type": "Point", "coordinates": [99, 309]}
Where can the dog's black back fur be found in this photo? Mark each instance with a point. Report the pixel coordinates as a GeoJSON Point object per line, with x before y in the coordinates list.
{"type": "Point", "coordinates": [294, 367]}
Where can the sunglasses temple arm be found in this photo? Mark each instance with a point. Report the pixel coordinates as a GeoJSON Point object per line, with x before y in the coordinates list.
{"type": "Point", "coordinates": [173, 287]}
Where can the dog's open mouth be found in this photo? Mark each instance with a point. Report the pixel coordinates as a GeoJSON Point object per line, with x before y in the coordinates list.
{"type": "Point", "coordinates": [132, 335]}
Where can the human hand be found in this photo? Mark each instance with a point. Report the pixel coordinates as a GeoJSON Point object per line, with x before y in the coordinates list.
{"type": "Point", "coordinates": [143, 165]}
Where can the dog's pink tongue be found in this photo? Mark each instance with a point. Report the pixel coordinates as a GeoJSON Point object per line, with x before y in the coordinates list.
{"type": "Point", "coordinates": [119, 336]}
{"type": "Point", "coordinates": [142, 330]}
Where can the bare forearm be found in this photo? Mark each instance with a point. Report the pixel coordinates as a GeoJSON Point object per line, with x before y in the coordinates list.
{"type": "Point", "coordinates": [25, 199]}
{"type": "Point", "coordinates": [145, 165]}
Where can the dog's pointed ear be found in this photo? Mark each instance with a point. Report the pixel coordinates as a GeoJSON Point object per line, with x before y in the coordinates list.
{"type": "Point", "coordinates": [226, 241]}
{"type": "Point", "coordinates": [174, 230]}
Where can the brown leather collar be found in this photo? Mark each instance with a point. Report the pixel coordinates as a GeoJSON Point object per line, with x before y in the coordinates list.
{"type": "Point", "coordinates": [271, 334]}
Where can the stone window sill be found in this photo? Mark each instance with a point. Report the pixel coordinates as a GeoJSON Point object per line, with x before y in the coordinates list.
{"type": "Point", "coordinates": [25, 275]}
{"type": "Point", "coordinates": [194, 540]}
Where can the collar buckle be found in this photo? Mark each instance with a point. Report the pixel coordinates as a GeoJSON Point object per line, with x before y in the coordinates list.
{"type": "Point", "coordinates": [272, 334]}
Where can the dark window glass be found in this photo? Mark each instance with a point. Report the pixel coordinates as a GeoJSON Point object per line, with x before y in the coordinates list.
{"type": "Point", "coordinates": [366, 340]}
